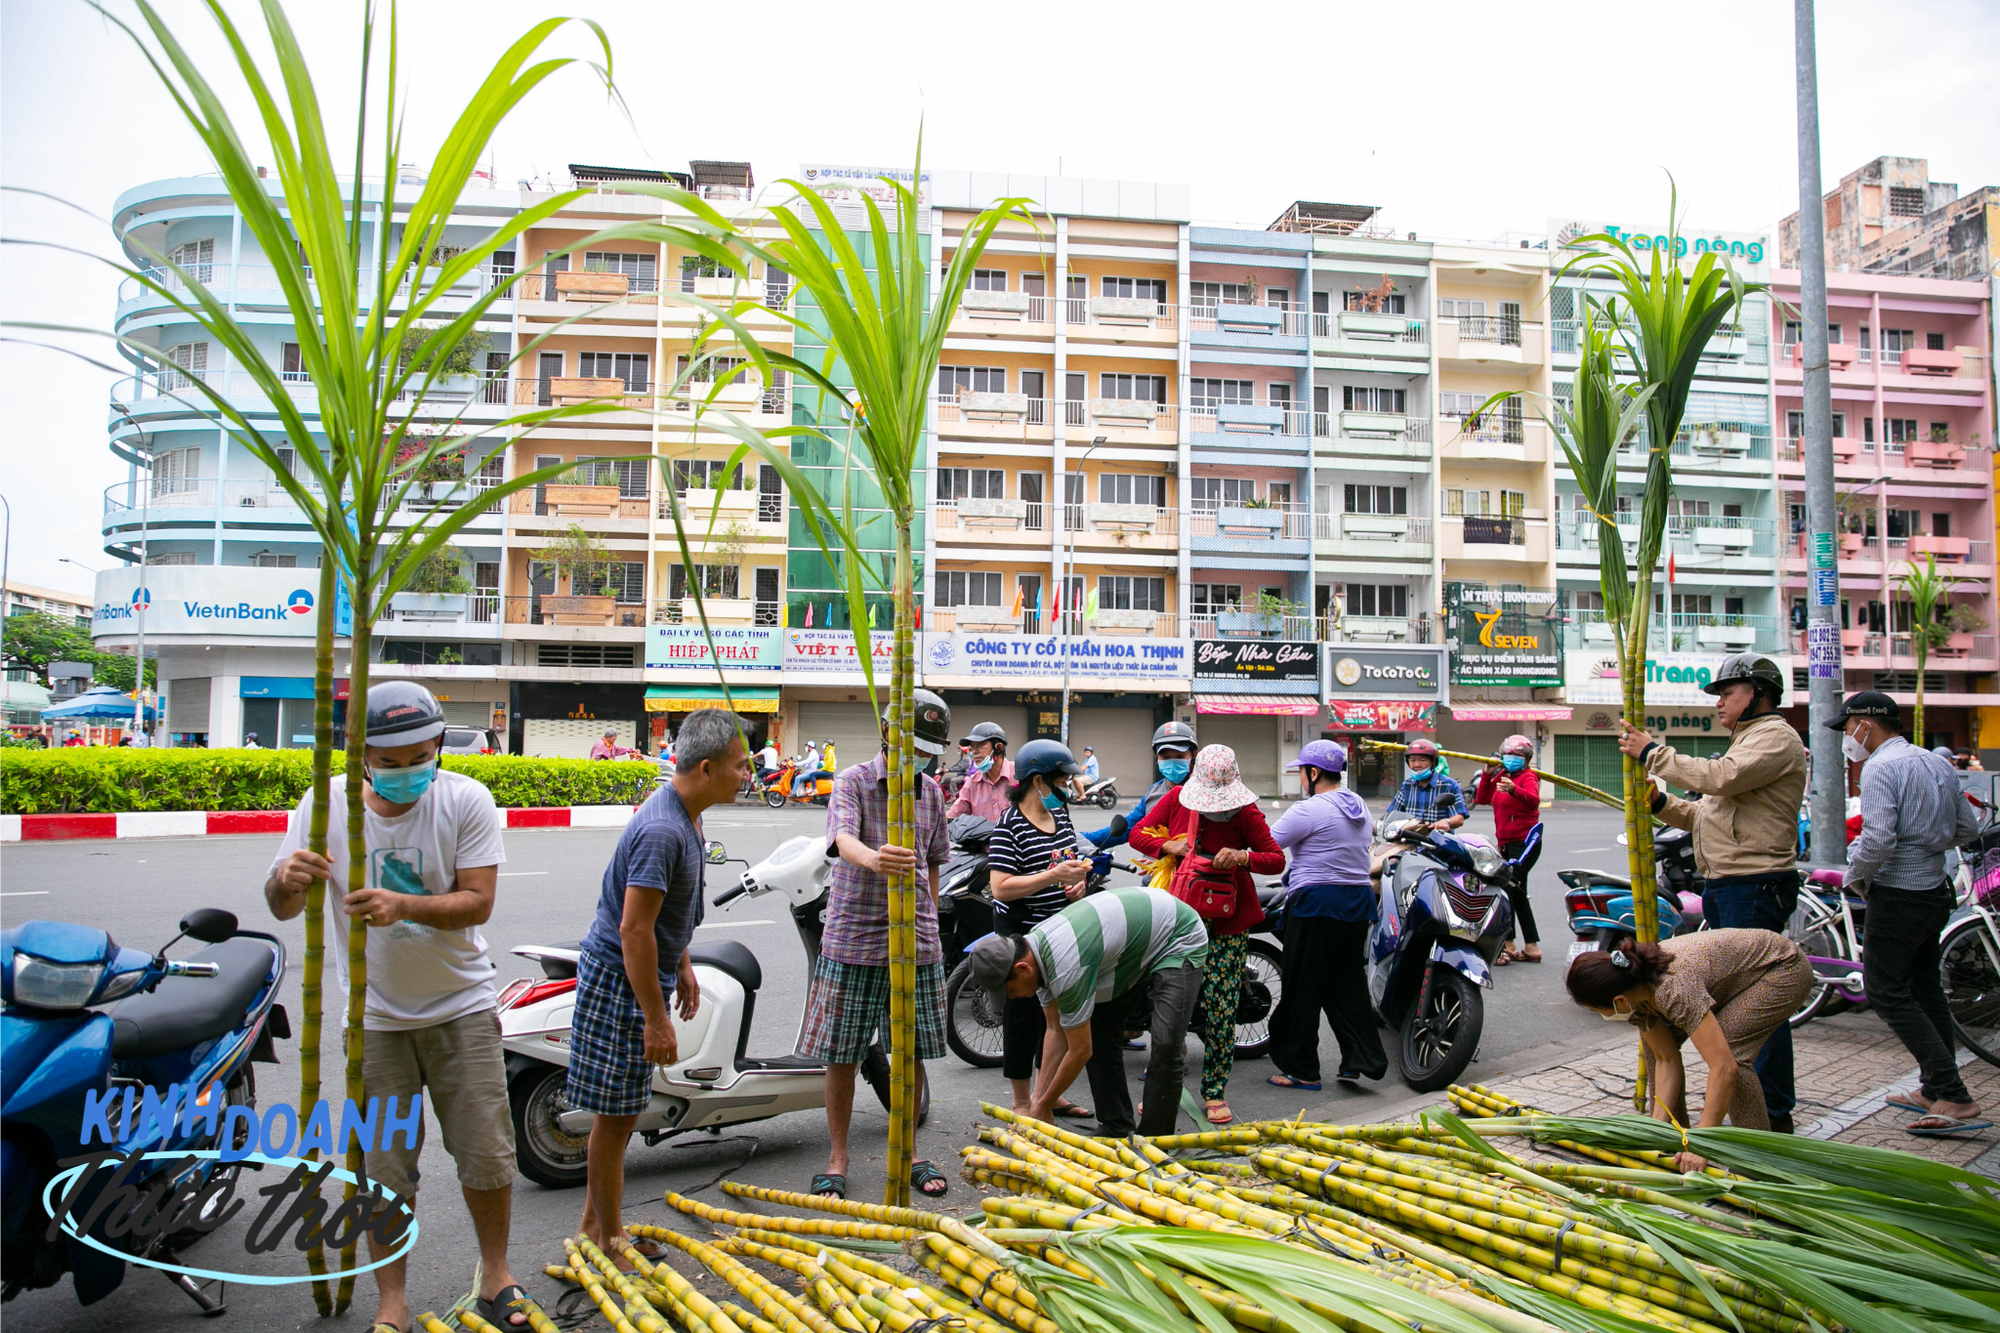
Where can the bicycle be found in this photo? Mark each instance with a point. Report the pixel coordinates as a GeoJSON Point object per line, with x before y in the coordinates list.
{"type": "Point", "coordinates": [1969, 961]}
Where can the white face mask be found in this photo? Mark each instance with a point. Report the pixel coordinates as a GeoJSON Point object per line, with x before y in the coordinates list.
{"type": "Point", "coordinates": [1853, 749]}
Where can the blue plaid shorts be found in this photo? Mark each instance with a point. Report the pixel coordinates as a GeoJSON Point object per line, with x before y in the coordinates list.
{"type": "Point", "coordinates": [608, 1073]}
{"type": "Point", "coordinates": [848, 1002]}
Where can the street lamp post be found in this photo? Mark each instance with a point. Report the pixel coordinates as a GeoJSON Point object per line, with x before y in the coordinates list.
{"type": "Point", "coordinates": [144, 597]}
{"type": "Point", "coordinates": [1062, 588]}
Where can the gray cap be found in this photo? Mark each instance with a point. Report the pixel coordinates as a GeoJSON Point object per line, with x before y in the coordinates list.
{"type": "Point", "coordinates": [989, 961]}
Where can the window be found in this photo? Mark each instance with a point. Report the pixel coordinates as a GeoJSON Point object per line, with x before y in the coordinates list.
{"type": "Point", "coordinates": [176, 471]}
{"type": "Point", "coordinates": [191, 360]}
{"type": "Point", "coordinates": [1281, 297]}
{"type": "Point", "coordinates": [989, 280]}
{"type": "Point", "coordinates": [1365, 398]}
{"type": "Point", "coordinates": [1450, 308]}
{"type": "Point", "coordinates": [1121, 488]}
{"type": "Point", "coordinates": [1682, 508]}
{"type": "Point", "coordinates": [195, 258]}
{"type": "Point", "coordinates": [170, 558]}
{"type": "Point", "coordinates": [1144, 388]}
{"type": "Point", "coordinates": [1279, 492]}
{"type": "Point", "coordinates": [1900, 430]}
{"type": "Point", "coordinates": [1034, 387]}
{"type": "Point", "coordinates": [971, 483]}
{"type": "Point", "coordinates": [631, 367]}
{"type": "Point", "coordinates": [1905, 202]}
{"type": "Point", "coordinates": [1210, 599]}
{"type": "Point", "coordinates": [1205, 395]}
{"type": "Point", "coordinates": [622, 580]}
{"type": "Point", "coordinates": [1514, 504]}
{"type": "Point", "coordinates": [702, 474]}
{"type": "Point", "coordinates": [1375, 499]}
{"type": "Point", "coordinates": [724, 368]}
{"type": "Point", "coordinates": [1587, 600]}
{"type": "Point", "coordinates": [1934, 342]}
{"type": "Point", "coordinates": [273, 560]}
{"type": "Point", "coordinates": [291, 365]}
{"type": "Point", "coordinates": [1894, 343]}
{"type": "Point", "coordinates": [1688, 604]}
{"type": "Point", "coordinates": [1360, 301]}
{"type": "Point", "coordinates": [966, 587]}
{"type": "Point", "coordinates": [1034, 284]}
{"type": "Point", "coordinates": [1451, 404]}
{"type": "Point", "coordinates": [1122, 592]}
{"type": "Point", "coordinates": [1868, 430]}
{"type": "Point", "coordinates": [1795, 332]}
{"type": "Point", "coordinates": [1139, 289]}
{"type": "Point", "coordinates": [1458, 501]}
{"type": "Point", "coordinates": [1215, 492]}
{"type": "Point", "coordinates": [627, 474]}
{"type": "Point", "coordinates": [1904, 523]}
{"type": "Point", "coordinates": [1940, 524]}
{"type": "Point", "coordinates": [1278, 395]}
{"type": "Point", "coordinates": [956, 380]}
{"type": "Point", "coordinates": [701, 266]}
{"type": "Point", "coordinates": [716, 580]}
{"type": "Point", "coordinates": [1079, 287]}
{"type": "Point", "coordinates": [1833, 334]}
{"type": "Point", "coordinates": [1378, 599]}
{"type": "Point", "coordinates": [640, 270]}
{"type": "Point", "coordinates": [1208, 295]}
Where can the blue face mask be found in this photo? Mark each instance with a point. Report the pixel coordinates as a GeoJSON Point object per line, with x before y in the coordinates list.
{"type": "Point", "coordinates": [1421, 775]}
{"type": "Point", "coordinates": [1513, 763]}
{"type": "Point", "coordinates": [1051, 801]}
{"type": "Point", "coordinates": [1174, 770]}
{"type": "Point", "coordinates": [402, 786]}
{"type": "Point", "coordinates": [982, 765]}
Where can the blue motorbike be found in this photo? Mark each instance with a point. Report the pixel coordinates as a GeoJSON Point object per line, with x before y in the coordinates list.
{"type": "Point", "coordinates": [87, 1019]}
{"type": "Point", "coordinates": [1444, 917]}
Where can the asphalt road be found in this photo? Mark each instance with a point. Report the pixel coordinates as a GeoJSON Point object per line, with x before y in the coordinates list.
{"type": "Point", "coordinates": [138, 889]}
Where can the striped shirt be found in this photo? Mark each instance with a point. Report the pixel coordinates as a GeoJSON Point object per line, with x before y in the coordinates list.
{"type": "Point", "coordinates": [1912, 811]}
{"type": "Point", "coordinates": [1107, 943]}
{"type": "Point", "coordinates": [1017, 847]}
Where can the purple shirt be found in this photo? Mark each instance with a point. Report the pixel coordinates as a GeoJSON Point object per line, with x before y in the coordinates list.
{"type": "Point", "coordinates": [1326, 838]}
{"type": "Point", "coordinates": [857, 905]}
{"type": "Point", "coordinates": [985, 794]}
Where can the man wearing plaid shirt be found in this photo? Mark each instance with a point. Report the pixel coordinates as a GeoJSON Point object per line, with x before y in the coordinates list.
{"type": "Point", "coordinates": [849, 997]}
{"type": "Point", "coordinates": [1429, 795]}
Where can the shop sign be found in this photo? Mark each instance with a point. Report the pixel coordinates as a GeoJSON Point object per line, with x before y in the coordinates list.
{"type": "Point", "coordinates": [1672, 679]}
{"type": "Point", "coordinates": [748, 649]}
{"type": "Point", "coordinates": [1256, 659]}
{"type": "Point", "coordinates": [1741, 247]}
{"type": "Point", "coordinates": [1381, 715]}
{"type": "Point", "coordinates": [1039, 658]}
{"type": "Point", "coordinates": [210, 600]}
{"type": "Point", "coordinates": [830, 657]}
{"type": "Point", "coordinates": [846, 184]}
{"type": "Point", "coordinates": [1363, 673]}
{"type": "Point", "coordinates": [1504, 636]}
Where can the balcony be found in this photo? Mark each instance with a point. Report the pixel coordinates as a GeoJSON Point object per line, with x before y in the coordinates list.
{"type": "Point", "coordinates": [1493, 342]}
{"type": "Point", "coordinates": [257, 284]}
{"type": "Point", "coordinates": [1022, 523]}
{"type": "Point", "coordinates": [1246, 423]}
{"type": "Point", "coordinates": [731, 611]}
{"type": "Point", "coordinates": [578, 612]}
{"type": "Point", "coordinates": [997, 416]}
{"type": "Point", "coordinates": [1118, 319]}
{"type": "Point", "coordinates": [1127, 420]}
{"type": "Point", "coordinates": [1866, 647]}
{"type": "Point", "coordinates": [1698, 541]}
{"type": "Point", "coordinates": [428, 614]}
{"type": "Point", "coordinates": [998, 620]}
{"type": "Point", "coordinates": [1922, 460]}
{"type": "Point", "coordinates": [699, 506]}
{"type": "Point", "coordinates": [1507, 440]}
{"type": "Point", "coordinates": [598, 508]}
{"type": "Point", "coordinates": [1219, 526]}
{"type": "Point", "coordinates": [1493, 538]}
{"type": "Point", "coordinates": [1363, 333]}
{"type": "Point", "coordinates": [993, 313]}
{"type": "Point", "coordinates": [1372, 536]}
{"type": "Point", "coordinates": [1371, 435]}
{"type": "Point", "coordinates": [1682, 632]}
{"type": "Point", "coordinates": [1248, 322]}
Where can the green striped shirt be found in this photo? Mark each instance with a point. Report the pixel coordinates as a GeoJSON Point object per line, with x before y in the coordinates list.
{"type": "Point", "coordinates": [1106, 944]}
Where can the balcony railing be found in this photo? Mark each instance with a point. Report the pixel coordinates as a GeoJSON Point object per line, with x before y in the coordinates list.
{"type": "Point", "coordinates": [1682, 631]}
{"type": "Point", "coordinates": [1117, 312]}
{"type": "Point", "coordinates": [1691, 537]}
{"type": "Point", "coordinates": [1379, 327]}
{"type": "Point", "coordinates": [481, 608]}
{"type": "Point", "coordinates": [1118, 413]}
{"type": "Point", "coordinates": [996, 620]}
{"type": "Point", "coordinates": [1390, 529]}
{"type": "Point", "coordinates": [1204, 420]}
{"type": "Point", "coordinates": [993, 409]}
{"type": "Point", "coordinates": [1873, 643]}
{"type": "Point", "coordinates": [1493, 530]}
{"type": "Point", "coordinates": [167, 495]}
{"type": "Point", "coordinates": [1006, 516]}
{"type": "Point", "coordinates": [542, 609]}
{"type": "Point", "coordinates": [1502, 329]}
{"type": "Point", "coordinates": [1290, 321]}
{"type": "Point", "coordinates": [1363, 426]}
{"type": "Point", "coordinates": [1218, 518]}
{"type": "Point", "coordinates": [1955, 456]}
{"type": "Point", "coordinates": [264, 278]}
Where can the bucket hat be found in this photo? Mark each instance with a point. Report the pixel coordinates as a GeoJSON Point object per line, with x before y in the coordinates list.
{"type": "Point", "coordinates": [1216, 784]}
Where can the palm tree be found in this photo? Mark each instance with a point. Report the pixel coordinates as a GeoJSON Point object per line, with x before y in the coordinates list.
{"type": "Point", "coordinates": [1927, 588]}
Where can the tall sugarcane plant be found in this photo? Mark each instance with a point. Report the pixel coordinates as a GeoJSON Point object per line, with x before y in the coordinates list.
{"type": "Point", "coordinates": [1928, 589]}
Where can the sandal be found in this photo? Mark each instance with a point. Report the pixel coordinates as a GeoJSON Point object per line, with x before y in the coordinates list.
{"type": "Point", "coordinates": [1534, 957]}
{"type": "Point", "coordinates": [1218, 1112]}
{"type": "Point", "coordinates": [923, 1175]}
{"type": "Point", "coordinates": [1504, 957]}
{"type": "Point", "coordinates": [1071, 1111]}
{"type": "Point", "coordinates": [830, 1184]}
{"type": "Point", "coordinates": [1903, 1101]}
{"type": "Point", "coordinates": [501, 1309]}
{"type": "Point", "coordinates": [1287, 1081]}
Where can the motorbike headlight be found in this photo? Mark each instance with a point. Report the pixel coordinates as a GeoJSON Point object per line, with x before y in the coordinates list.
{"type": "Point", "coordinates": [46, 985]}
{"type": "Point", "coordinates": [1488, 863]}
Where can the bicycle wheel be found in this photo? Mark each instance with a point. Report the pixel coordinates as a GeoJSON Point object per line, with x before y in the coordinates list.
{"type": "Point", "coordinates": [1820, 940]}
{"type": "Point", "coordinates": [1970, 969]}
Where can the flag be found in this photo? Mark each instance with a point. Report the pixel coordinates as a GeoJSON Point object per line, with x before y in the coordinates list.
{"type": "Point", "coordinates": [783, 608]}
{"type": "Point", "coordinates": [1038, 599]}
{"type": "Point", "coordinates": [829, 613]}
{"type": "Point", "coordinates": [1016, 612]}
{"type": "Point", "coordinates": [1055, 602]}
{"type": "Point", "coordinates": [1090, 605]}
{"type": "Point", "coordinates": [871, 614]}
{"type": "Point", "coordinates": [809, 615]}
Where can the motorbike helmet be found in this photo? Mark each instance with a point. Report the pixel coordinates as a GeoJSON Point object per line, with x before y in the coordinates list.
{"type": "Point", "coordinates": [1518, 744]}
{"type": "Point", "coordinates": [402, 712]}
{"type": "Point", "coordinates": [1045, 757]}
{"type": "Point", "coordinates": [1173, 736]}
{"type": "Point", "coordinates": [1423, 747]}
{"type": "Point", "coordinates": [933, 722]}
{"type": "Point", "coordinates": [986, 731]}
{"type": "Point", "coordinates": [1761, 672]}
{"type": "Point", "coordinates": [1323, 755]}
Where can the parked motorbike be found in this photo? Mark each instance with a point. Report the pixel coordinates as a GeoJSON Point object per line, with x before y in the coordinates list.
{"type": "Point", "coordinates": [1599, 904]}
{"type": "Point", "coordinates": [1444, 918]}
{"type": "Point", "coordinates": [1102, 793]}
{"type": "Point", "coordinates": [84, 1015]}
{"type": "Point", "coordinates": [778, 791]}
{"type": "Point", "coordinates": [712, 1084]}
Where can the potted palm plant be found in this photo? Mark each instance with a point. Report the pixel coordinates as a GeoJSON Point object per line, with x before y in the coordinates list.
{"type": "Point", "coordinates": [437, 590]}
{"type": "Point", "coordinates": [1927, 587]}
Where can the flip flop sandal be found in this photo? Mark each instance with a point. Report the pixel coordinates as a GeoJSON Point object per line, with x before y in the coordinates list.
{"type": "Point", "coordinates": [499, 1309]}
{"type": "Point", "coordinates": [1903, 1101]}
{"type": "Point", "coordinates": [1527, 957]}
{"type": "Point", "coordinates": [1071, 1111]}
{"type": "Point", "coordinates": [1287, 1081]}
{"type": "Point", "coordinates": [828, 1183]}
{"type": "Point", "coordinates": [1218, 1113]}
{"type": "Point", "coordinates": [923, 1175]}
{"type": "Point", "coordinates": [1952, 1126]}
{"type": "Point", "coordinates": [1503, 959]}
{"type": "Point", "coordinates": [381, 1324]}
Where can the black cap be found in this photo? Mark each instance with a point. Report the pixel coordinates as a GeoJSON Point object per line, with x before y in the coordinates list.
{"type": "Point", "coordinates": [1867, 703]}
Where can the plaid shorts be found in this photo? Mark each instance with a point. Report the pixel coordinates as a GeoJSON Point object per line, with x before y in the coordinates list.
{"type": "Point", "coordinates": [608, 1073]}
{"type": "Point", "coordinates": [849, 1001]}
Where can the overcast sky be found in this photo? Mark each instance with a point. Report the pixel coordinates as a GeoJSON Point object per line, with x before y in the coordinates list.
{"type": "Point", "coordinates": [1456, 119]}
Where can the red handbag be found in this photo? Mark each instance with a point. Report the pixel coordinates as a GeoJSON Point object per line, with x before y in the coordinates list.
{"type": "Point", "coordinates": [1211, 892]}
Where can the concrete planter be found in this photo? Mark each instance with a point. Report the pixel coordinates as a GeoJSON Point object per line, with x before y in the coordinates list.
{"type": "Point", "coordinates": [1124, 309]}
{"type": "Point", "coordinates": [1249, 418]}
{"type": "Point", "coordinates": [1247, 624]}
{"type": "Point", "coordinates": [579, 610]}
{"type": "Point", "coordinates": [1124, 409]}
{"type": "Point", "coordinates": [1373, 425]}
{"type": "Point", "coordinates": [1234, 521]}
{"type": "Point", "coordinates": [1725, 636]}
{"type": "Point", "coordinates": [994, 305]}
{"type": "Point", "coordinates": [591, 286]}
{"type": "Point", "coordinates": [1953, 547]}
{"type": "Point", "coordinates": [1141, 620]}
{"type": "Point", "coordinates": [1123, 515]}
{"type": "Point", "coordinates": [600, 501]}
{"type": "Point", "coordinates": [993, 404]}
{"type": "Point", "coordinates": [566, 389]}
{"type": "Point", "coordinates": [1728, 539]}
{"type": "Point", "coordinates": [993, 509]}
{"type": "Point", "coordinates": [1249, 318]}
{"type": "Point", "coordinates": [437, 606]}
{"type": "Point", "coordinates": [721, 610]}
{"type": "Point", "coordinates": [1361, 324]}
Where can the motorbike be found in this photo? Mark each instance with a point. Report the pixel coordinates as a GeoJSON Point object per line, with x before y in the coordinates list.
{"type": "Point", "coordinates": [1102, 793]}
{"type": "Point", "coordinates": [778, 791]}
{"type": "Point", "coordinates": [1444, 918]}
{"type": "Point", "coordinates": [82, 1015]}
{"type": "Point", "coordinates": [712, 1084]}
{"type": "Point", "coordinates": [1599, 904]}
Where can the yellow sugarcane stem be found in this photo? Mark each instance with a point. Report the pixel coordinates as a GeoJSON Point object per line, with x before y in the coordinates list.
{"type": "Point", "coordinates": [360, 645]}
{"type": "Point", "coordinates": [1602, 797]}
{"type": "Point", "coordinates": [823, 1226]}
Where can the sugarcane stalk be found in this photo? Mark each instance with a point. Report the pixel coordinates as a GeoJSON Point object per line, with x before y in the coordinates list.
{"type": "Point", "coordinates": [1055, 1134]}
{"type": "Point", "coordinates": [943, 1305]}
{"type": "Point", "coordinates": [814, 1226]}
{"type": "Point", "coordinates": [310, 984]}
{"type": "Point", "coordinates": [1595, 794]}
{"type": "Point", "coordinates": [469, 1320]}
{"type": "Point", "coordinates": [737, 1275]}
{"type": "Point", "coordinates": [1000, 1180]}
{"type": "Point", "coordinates": [838, 1304]}
{"type": "Point", "coordinates": [909, 1217]}
{"type": "Point", "coordinates": [1005, 1307]}
{"type": "Point", "coordinates": [1050, 1216]}
{"type": "Point", "coordinates": [594, 1286]}
{"type": "Point", "coordinates": [993, 1280]}
{"type": "Point", "coordinates": [748, 1322]}
{"type": "Point", "coordinates": [359, 646]}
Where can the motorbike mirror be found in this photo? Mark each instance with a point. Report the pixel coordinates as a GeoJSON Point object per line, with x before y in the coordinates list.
{"type": "Point", "coordinates": [714, 852]}
{"type": "Point", "coordinates": [1118, 826]}
{"type": "Point", "coordinates": [210, 925]}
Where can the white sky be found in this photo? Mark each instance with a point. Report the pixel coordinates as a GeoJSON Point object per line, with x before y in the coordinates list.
{"type": "Point", "coordinates": [1457, 119]}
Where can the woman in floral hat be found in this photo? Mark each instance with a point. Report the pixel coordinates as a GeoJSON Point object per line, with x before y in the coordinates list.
{"type": "Point", "coordinates": [1213, 821]}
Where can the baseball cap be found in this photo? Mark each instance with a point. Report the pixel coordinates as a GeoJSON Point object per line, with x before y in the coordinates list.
{"type": "Point", "coordinates": [1866, 703]}
{"type": "Point", "coordinates": [988, 962]}
{"type": "Point", "coordinates": [1325, 756]}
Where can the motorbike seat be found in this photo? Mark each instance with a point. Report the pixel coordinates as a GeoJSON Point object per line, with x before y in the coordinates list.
{"type": "Point", "coordinates": [732, 959]}
{"type": "Point", "coordinates": [186, 1011]}
{"type": "Point", "coordinates": [1270, 897]}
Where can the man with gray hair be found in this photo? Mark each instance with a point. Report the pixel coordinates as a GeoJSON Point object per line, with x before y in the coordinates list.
{"type": "Point", "coordinates": [635, 956]}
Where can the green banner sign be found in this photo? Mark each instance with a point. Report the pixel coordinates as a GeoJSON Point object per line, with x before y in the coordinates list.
{"type": "Point", "coordinates": [1507, 636]}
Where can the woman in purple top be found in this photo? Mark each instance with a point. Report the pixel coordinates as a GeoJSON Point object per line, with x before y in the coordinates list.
{"type": "Point", "coordinates": [1325, 837]}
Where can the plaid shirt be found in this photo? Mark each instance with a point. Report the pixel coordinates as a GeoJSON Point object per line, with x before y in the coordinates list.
{"type": "Point", "coordinates": [857, 906]}
{"type": "Point", "coordinates": [1440, 798]}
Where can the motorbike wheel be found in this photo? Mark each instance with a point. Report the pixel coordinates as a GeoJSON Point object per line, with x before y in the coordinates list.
{"type": "Point", "coordinates": [1971, 976]}
{"type": "Point", "coordinates": [972, 1021]}
{"type": "Point", "coordinates": [1263, 985]}
{"type": "Point", "coordinates": [875, 1069]}
{"type": "Point", "coordinates": [1439, 1042]}
{"type": "Point", "coordinates": [774, 798]}
{"type": "Point", "coordinates": [243, 1092]}
{"type": "Point", "coordinates": [1105, 799]}
{"type": "Point", "coordinates": [546, 1153]}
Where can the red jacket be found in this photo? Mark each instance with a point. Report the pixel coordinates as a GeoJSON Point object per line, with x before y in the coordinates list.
{"type": "Point", "coordinates": [1516, 811]}
{"type": "Point", "coordinates": [1247, 829]}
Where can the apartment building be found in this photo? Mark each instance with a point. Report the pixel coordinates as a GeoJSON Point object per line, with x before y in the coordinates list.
{"type": "Point", "coordinates": [17, 597]}
{"type": "Point", "coordinates": [1889, 216]}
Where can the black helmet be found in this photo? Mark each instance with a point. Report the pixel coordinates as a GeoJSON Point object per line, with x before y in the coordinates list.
{"type": "Point", "coordinates": [986, 731]}
{"type": "Point", "coordinates": [933, 722]}
{"type": "Point", "coordinates": [1045, 757]}
{"type": "Point", "coordinates": [402, 712]}
{"type": "Point", "coordinates": [1761, 672]}
{"type": "Point", "coordinates": [1173, 736]}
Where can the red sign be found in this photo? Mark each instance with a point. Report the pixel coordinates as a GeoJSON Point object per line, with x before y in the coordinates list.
{"type": "Point", "coordinates": [1382, 715]}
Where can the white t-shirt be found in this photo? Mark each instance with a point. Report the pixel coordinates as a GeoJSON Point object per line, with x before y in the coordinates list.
{"type": "Point", "coordinates": [418, 976]}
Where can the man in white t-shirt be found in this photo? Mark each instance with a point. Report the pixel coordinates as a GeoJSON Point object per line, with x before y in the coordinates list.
{"type": "Point", "coordinates": [430, 1023]}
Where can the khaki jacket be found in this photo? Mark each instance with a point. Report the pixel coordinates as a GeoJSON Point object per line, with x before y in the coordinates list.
{"type": "Point", "coordinates": [1747, 820]}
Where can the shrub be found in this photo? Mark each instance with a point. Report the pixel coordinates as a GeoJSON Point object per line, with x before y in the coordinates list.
{"type": "Point", "coordinates": [112, 780]}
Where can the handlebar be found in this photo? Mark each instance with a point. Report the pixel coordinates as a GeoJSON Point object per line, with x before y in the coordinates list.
{"type": "Point", "coordinates": [176, 968]}
{"type": "Point", "coordinates": [729, 895]}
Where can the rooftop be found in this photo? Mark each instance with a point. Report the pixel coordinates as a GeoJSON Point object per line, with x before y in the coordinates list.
{"type": "Point", "coordinates": [1324, 219]}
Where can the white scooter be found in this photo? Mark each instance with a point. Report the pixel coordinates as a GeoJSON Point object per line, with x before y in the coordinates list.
{"type": "Point", "coordinates": [1102, 793]}
{"type": "Point", "coordinates": [713, 1084]}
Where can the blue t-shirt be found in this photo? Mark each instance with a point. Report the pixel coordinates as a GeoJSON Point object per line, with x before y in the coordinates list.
{"type": "Point", "coordinates": [660, 849]}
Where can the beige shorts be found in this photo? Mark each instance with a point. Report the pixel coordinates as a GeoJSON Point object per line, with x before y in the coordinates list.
{"type": "Point", "coordinates": [461, 1069]}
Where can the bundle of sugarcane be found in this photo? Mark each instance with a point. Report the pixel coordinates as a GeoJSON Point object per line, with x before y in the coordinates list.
{"type": "Point", "coordinates": [1298, 1227]}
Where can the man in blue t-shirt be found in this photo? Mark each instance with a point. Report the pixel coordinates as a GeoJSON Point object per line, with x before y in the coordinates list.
{"type": "Point", "coordinates": [635, 956]}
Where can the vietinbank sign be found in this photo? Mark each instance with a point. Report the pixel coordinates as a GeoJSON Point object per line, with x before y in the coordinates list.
{"type": "Point", "coordinates": [208, 601]}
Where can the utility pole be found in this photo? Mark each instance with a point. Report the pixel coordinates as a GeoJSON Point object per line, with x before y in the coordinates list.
{"type": "Point", "coordinates": [1827, 791]}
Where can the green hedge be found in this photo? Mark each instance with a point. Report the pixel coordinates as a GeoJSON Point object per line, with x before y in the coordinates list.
{"type": "Point", "coordinates": [111, 780]}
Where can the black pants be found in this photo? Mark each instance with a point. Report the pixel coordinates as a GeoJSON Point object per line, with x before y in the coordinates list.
{"type": "Point", "coordinates": [1517, 894]}
{"type": "Point", "coordinates": [1325, 972]}
{"type": "Point", "coordinates": [1899, 968]}
{"type": "Point", "coordinates": [1174, 994]}
{"type": "Point", "coordinates": [1022, 1027]}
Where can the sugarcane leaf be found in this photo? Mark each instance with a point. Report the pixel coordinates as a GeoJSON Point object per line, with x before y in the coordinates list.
{"type": "Point", "coordinates": [1641, 1222]}
{"type": "Point", "coordinates": [1463, 1132]}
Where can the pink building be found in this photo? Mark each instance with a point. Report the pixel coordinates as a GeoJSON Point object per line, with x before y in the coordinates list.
{"type": "Point", "coordinates": [1913, 466]}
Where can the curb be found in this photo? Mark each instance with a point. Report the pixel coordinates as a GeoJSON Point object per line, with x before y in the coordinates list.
{"type": "Point", "coordinates": [208, 823]}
